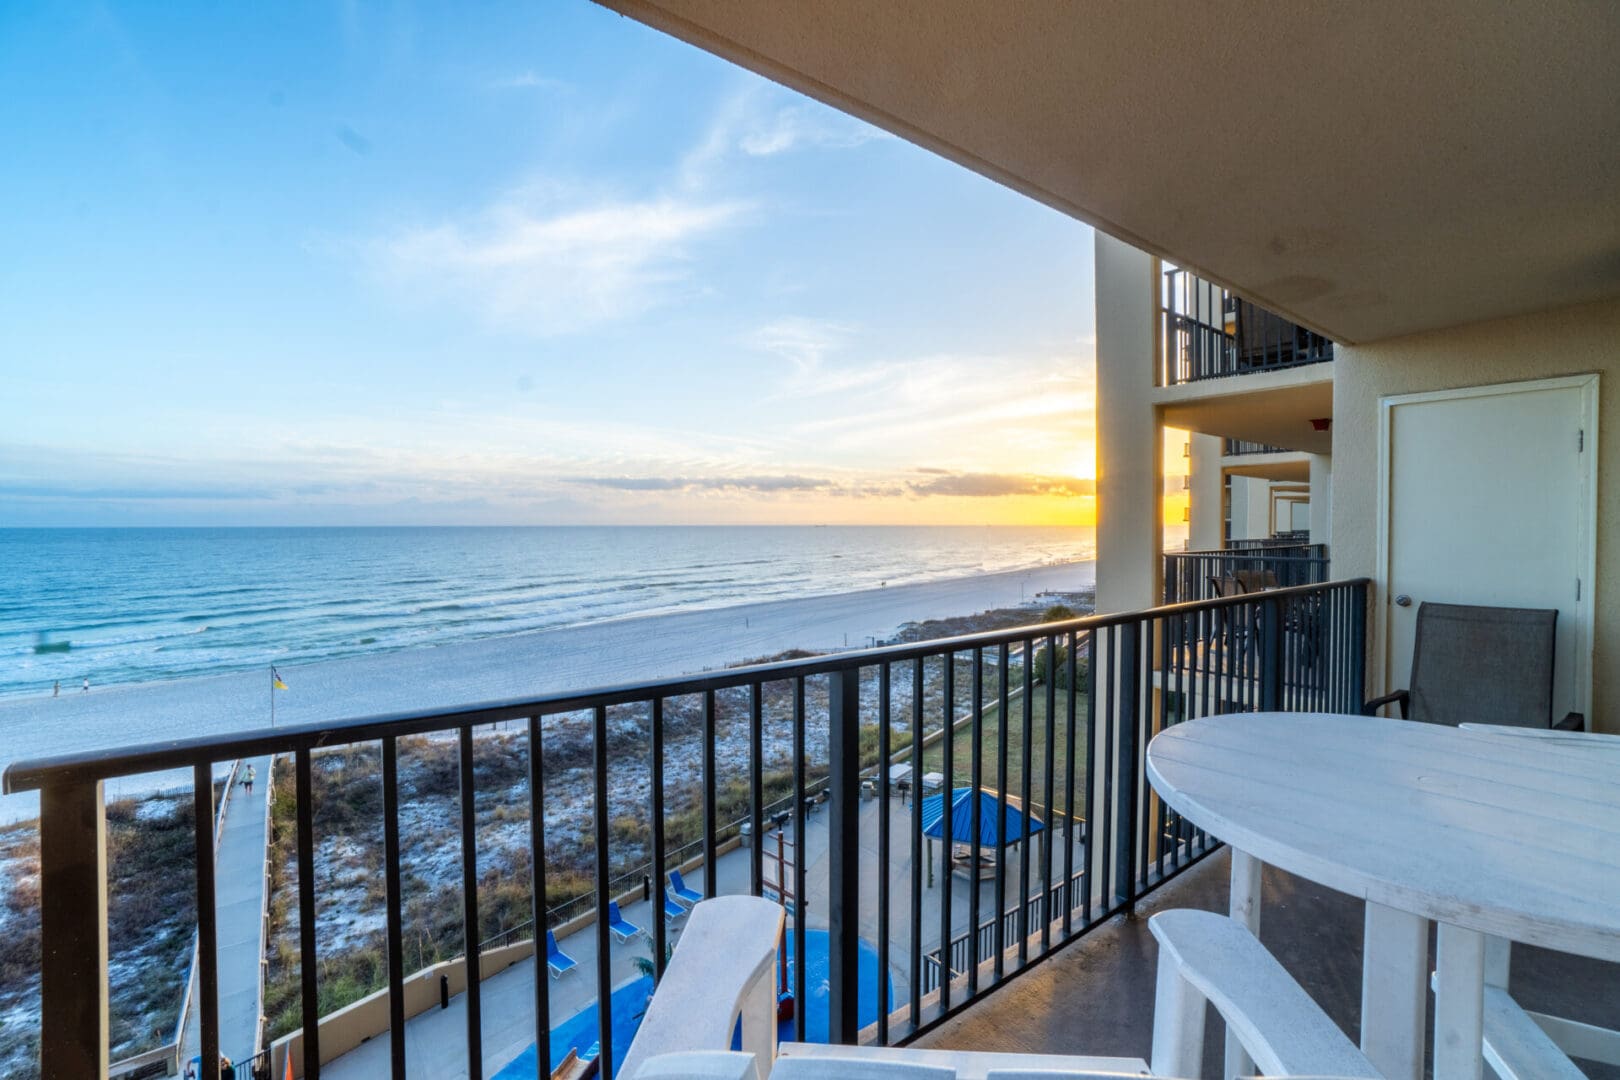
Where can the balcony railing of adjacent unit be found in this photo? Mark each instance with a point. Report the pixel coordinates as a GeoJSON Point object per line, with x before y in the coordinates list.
{"type": "Point", "coordinates": [1242, 447]}
{"type": "Point", "coordinates": [1204, 575]}
{"type": "Point", "coordinates": [1298, 538]}
{"type": "Point", "coordinates": [1085, 700]}
{"type": "Point", "coordinates": [1209, 333]}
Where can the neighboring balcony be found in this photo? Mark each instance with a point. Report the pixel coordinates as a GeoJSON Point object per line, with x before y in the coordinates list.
{"type": "Point", "coordinates": [1210, 333]}
{"type": "Point", "coordinates": [1246, 566]}
{"type": "Point", "coordinates": [1244, 448]}
{"type": "Point", "coordinates": [914, 913]}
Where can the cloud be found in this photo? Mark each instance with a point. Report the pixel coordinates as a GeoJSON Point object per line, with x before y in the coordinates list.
{"type": "Point", "coordinates": [548, 270]}
{"type": "Point", "coordinates": [939, 482]}
{"type": "Point", "coordinates": [528, 80]}
{"type": "Point", "coordinates": [754, 124]}
{"type": "Point", "coordinates": [802, 126]}
{"type": "Point", "coordinates": [804, 343]}
{"type": "Point", "coordinates": [995, 485]}
{"type": "Point", "coordinates": [758, 484]}
{"type": "Point", "coordinates": [130, 494]}
{"type": "Point", "coordinates": [990, 414]}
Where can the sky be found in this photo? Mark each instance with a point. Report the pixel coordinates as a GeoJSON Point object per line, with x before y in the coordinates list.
{"type": "Point", "coordinates": [313, 264]}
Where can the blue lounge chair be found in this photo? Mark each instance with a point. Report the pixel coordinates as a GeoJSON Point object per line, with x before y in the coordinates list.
{"type": "Point", "coordinates": [622, 929]}
{"type": "Point", "coordinates": [677, 886]}
{"type": "Point", "coordinates": [672, 910]}
{"type": "Point", "coordinates": [558, 961]}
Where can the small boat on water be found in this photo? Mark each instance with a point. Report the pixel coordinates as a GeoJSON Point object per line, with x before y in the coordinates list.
{"type": "Point", "coordinates": [43, 644]}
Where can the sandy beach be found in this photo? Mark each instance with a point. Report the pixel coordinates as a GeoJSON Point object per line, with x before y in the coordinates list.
{"type": "Point", "coordinates": [570, 658]}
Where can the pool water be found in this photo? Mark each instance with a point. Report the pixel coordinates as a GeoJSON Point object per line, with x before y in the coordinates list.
{"type": "Point", "coordinates": [579, 1032]}
{"type": "Point", "coordinates": [817, 984]}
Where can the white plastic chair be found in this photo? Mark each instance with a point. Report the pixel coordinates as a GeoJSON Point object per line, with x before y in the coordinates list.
{"type": "Point", "coordinates": [725, 966]}
{"type": "Point", "coordinates": [1208, 957]}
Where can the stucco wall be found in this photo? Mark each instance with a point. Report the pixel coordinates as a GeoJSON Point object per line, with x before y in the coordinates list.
{"type": "Point", "coordinates": [1567, 341]}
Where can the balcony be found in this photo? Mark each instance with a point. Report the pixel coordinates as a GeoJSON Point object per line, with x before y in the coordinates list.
{"type": "Point", "coordinates": [922, 913]}
{"type": "Point", "coordinates": [1210, 333]}
{"type": "Point", "coordinates": [1246, 566]}
{"type": "Point", "coordinates": [1244, 448]}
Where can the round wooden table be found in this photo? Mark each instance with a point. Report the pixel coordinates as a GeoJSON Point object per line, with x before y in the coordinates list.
{"type": "Point", "coordinates": [1488, 834]}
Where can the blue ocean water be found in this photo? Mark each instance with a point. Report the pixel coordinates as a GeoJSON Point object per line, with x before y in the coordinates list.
{"type": "Point", "coordinates": [121, 606]}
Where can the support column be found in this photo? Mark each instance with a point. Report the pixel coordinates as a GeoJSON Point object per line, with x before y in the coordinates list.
{"type": "Point", "coordinates": [1130, 454]}
{"type": "Point", "coordinates": [1207, 519]}
{"type": "Point", "coordinates": [1321, 498]}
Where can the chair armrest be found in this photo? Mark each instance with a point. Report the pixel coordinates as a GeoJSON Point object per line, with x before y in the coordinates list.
{"type": "Point", "coordinates": [856, 1068]}
{"type": "Point", "coordinates": [723, 968]}
{"type": "Point", "coordinates": [1573, 722]}
{"type": "Point", "coordinates": [1399, 696]}
{"type": "Point", "coordinates": [1208, 957]}
{"type": "Point", "coordinates": [699, 1065]}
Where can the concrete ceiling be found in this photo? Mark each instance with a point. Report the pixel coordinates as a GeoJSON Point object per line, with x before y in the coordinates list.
{"type": "Point", "coordinates": [1273, 467]}
{"type": "Point", "coordinates": [1367, 169]}
{"type": "Point", "coordinates": [1275, 409]}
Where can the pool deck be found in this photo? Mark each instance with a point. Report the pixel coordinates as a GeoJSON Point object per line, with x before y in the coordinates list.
{"type": "Point", "coordinates": [436, 1041]}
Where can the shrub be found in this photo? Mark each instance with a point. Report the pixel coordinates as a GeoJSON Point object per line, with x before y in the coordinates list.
{"type": "Point", "coordinates": [1044, 661]}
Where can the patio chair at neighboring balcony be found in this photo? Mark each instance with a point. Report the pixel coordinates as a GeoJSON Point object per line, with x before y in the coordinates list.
{"type": "Point", "coordinates": [1481, 665]}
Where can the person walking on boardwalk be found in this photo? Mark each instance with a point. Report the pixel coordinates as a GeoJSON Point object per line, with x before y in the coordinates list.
{"type": "Point", "coordinates": [247, 780]}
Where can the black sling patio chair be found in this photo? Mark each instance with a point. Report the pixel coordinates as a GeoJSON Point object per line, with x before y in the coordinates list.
{"type": "Point", "coordinates": [1481, 665]}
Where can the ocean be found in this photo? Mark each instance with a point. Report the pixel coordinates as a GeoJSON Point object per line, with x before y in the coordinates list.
{"type": "Point", "coordinates": [131, 606]}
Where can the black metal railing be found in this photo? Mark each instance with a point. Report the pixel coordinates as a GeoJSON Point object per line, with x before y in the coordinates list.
{"type": "Point", "coordinates": [1210, 333]}
{"type": "Point", "coordinates": [1016, 923]}
{"type": "Point", "coordinates": [1243, 447]}
{"type": "Point", "coordinates": [1257, 566]}
{"type": "Point", "coordinates": [1283, 542]}
{"type": "Point", "coordinates": [1083, 696]}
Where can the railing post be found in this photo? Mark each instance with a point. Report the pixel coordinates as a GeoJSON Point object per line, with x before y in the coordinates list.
{"type": "Point", "coordinates": [1358, 647]}
{"type": "Point", "coordinates": [843, 912]}
{"type": "Point", "coordinates": [1271, 665]}
{"type": "Point", "coordinates": [73, 931]}
{"type": "Point", "coordinates": [1129, 644]}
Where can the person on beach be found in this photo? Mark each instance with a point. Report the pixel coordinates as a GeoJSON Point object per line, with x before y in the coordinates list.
{"type": "Point", "coordinates": [86, 689]}
{"type": "Point", "coordinates": [56, 690]}
{"type": "Point", "coordinates": [247, 779]}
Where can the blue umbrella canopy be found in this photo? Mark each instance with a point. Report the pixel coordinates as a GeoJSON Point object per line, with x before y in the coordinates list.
{"type": "Point", "coordinates": [933, 819]}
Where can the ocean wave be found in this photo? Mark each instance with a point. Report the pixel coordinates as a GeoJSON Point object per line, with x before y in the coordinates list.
{"type": "Point", "coordinates": [190, 612]}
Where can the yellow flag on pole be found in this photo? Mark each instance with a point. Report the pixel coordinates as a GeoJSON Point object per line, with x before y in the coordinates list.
{"type": "Point", "coordinates": [275, 680]}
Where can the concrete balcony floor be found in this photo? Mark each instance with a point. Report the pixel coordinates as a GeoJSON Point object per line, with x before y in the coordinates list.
{"type": "Point", "coordinates": [1096, 996]}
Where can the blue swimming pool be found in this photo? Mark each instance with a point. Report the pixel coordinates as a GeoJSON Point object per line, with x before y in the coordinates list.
{"type": "Point", "coordinates": [579, 1032]}
{"type": "Point", "coordinates": [817, 981]}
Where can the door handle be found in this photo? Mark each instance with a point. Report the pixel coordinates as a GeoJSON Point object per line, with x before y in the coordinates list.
{"type": "Point", "coordinates": [1403, 601]}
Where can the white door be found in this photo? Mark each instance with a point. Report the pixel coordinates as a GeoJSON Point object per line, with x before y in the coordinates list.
{"type": "Point", "coordinates": [1489, 500]}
